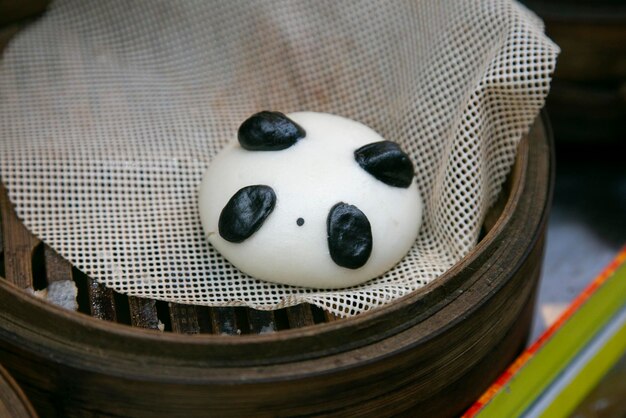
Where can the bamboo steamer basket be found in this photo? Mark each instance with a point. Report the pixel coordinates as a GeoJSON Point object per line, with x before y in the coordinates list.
{"type": "Point", "coordinates": [429, 353]}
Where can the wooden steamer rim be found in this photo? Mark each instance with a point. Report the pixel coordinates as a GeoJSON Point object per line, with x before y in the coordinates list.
{"type": "Point", "coordinates": [113, 349]}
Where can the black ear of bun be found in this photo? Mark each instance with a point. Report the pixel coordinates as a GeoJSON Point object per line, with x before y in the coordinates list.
{"type": "Point", "coordinates": [387, 162]}
{"type": "Point", "coordinates": [245, 212]}
{"type": "Point", "coordinates": [349, 236]}
{"type": "Point", "coordinates": [269, 131]}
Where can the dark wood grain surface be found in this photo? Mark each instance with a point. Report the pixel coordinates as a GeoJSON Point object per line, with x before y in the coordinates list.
{"type": "Point", "coordinates": [13, 402]}
{"type": "Point", "coordinates": [184, 318]}
{"type": "Point", "coordinates": [19, 245]}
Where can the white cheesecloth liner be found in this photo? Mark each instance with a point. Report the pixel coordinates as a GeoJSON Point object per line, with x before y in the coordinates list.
{"type": "Point", "coordinates": [112, 111]}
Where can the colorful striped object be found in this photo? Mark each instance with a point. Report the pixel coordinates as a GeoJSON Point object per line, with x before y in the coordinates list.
{"type": "Point", "coordinates": [558, 370]}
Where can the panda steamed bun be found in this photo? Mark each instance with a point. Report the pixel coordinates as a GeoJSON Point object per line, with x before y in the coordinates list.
{"type": "Point", "coordinates": [310, 199]}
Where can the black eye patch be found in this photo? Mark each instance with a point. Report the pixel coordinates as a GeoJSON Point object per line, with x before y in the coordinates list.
{"type": "Point", "coordinates": [269, 131]}
{"type": "Point", "coordinates": [349, 236]}
{"type": "Point", "coordinates": [387, 162]}
{"type": "Point", "coordinates": [245, 212]}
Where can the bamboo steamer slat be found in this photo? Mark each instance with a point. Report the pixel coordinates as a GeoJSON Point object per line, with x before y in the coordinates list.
{"type": "Point", "coordinates": [431, 352]}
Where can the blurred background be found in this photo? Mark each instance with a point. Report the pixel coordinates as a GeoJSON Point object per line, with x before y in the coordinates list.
{"type": "Point", "coordinates": [587, 108]}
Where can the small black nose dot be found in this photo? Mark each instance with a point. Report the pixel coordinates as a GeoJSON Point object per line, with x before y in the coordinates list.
{"type": "Point", "coordinates": [300, 221]}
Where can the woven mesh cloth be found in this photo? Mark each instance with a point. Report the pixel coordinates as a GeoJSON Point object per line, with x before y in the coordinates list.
{"type": "Point", "coordinates": [112, 111]}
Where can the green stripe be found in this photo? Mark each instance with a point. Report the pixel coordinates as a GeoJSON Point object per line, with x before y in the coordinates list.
{"type": "Point", "coordinates": [527, 385]}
